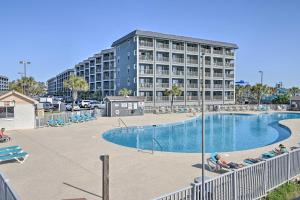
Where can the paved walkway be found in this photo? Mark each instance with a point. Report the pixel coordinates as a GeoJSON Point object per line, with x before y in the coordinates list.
{"type": "Point", "coordinates": [64, 162]}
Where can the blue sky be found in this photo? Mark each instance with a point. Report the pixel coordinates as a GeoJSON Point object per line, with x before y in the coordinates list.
{"type": "Point", "coordinates": [57, 34]}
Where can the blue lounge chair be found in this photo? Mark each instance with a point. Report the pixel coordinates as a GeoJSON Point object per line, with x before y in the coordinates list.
{"type": "Point", "coordinates": [10, 152]}
{"type": "Point", "coordinates": [269, 154]}
{"type": "Point", "coordinates": [213, 164]}
{"type": "Point", "coordinates": [9, 148]}
{"type": "Point", "coordinates": [19, 157]}
{"type": "Point", "coordinates": [252, 160]}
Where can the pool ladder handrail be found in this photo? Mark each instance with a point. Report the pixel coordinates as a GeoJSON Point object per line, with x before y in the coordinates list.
{"type": "Point", "coordinates": [155, 140]}
{"type": "Point", "coordinates": [120, 120]}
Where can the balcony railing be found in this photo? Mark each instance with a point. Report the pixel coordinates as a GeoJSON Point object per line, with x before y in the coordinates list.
{"type": "Point", "coordinates": [229, 75]}
{"type": "Point", "coordinates": [162, 85]}
{"type": "Point", "coordinates": [192, 85]}
{"type": "Point", "coordinates": [148, 98]}
{"type": "Point", "coordinates": [146, 85]}
{"type": "Point", "coordinates": [178, 73]}
{"type": "Point", "coordinates": [146, 57]}
{"type": "Point", "coordinates": [144, 43]}
{"type": "Point", "coordinates": [207, 98]}
{"type": "Point", "coordinates": [162, 46]}
{"type": "Point", "coordinates": [191, 61]}
{"type": "Point", "coordinates": [179, 98]}
{"type": "Point", "coordinates": [229, 53]}
{"type": "Point", "coordinates": [218, 75]}
{"type": "Point", "coordinates": [192, 73]}
{"type": "Point", "coordinates": [192, 49]}
{"type": "Point", "coordinates": [229, 86]}
{"type": "Point", "coordinates": [146, 71]}
{"type": "Point", "coordinates": [207, 63]}
{"type": "Point", "coordinates": [162, 72]}
{"type": "Point", "coordinates": [218, 86]}
{"type": "Point", "coordinates": [203, 50]}
{"type": "Point", "coordinates": [178, 47]}
{"type": "Point", "coordinates": [217, 97]}
{"type": "Point", "coordinates": [229, 98]}
{"type": "Point", "coordinates": [207, 86]}
{"type": "Point", "coordinates": [163, 59]}
{"type": "Point", "coordinates": [207, 74]}
{"type": "Point", "coordinates": [191, 98]}
{"type": "Point", "coordinates": [218, 63]}
{"type": "Point", "coordinates": [220, 52]}
{"type": "Point", "coordinates": [162, 98]}
{"type": "Point", "coordinates": [179, 84]}
{"type": "Point", "coordinates": [178, 60]}
{"type": "Point", "coordinates": [229, 64]}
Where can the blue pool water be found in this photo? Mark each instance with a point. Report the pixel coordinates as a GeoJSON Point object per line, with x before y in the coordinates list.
{"type": "Point", "coordinates": [223, 133]}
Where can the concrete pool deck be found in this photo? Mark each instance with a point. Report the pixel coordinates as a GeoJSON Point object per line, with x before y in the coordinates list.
{"type": "Point", "coordinates": [64, 162]}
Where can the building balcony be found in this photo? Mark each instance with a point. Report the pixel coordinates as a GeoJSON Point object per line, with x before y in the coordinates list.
{"type": "Point", "coordinates": [229, 86]}
{"type": "Point", "coordinates": [218, 86]}
{"type": "Point", "coordinates": [192, 73]}
{"type": "Point", "coordinates": [178, 73]}
{"type": "Point", "coordinates": [191, 61]}
{"type": "Point", "coordinates": [178, 60]}
{"type": "Point", "coordinates": [192, 85]}
{"type": "Point", "coordinates": [219, 52]}
{"type": "Point", "coordinates": [217, 98]}
{"type": "Point", "coordinates": [162, 98]}
{"type": "Point", "coordinates": [162, 46]}
{"type": "Point", "coordinates": [178, 47]}
{"type": "Point", "coordinates": [216, 63]}
{"type": "Point", "coordinates": [162, 59]}
{"type": "Point", "coordinates": [228, 98]}
{"type": "Point", "coordinates": [146, 85]}
{"type": "Point", "coordinates": [148, 98]}
{"type": "Point", "coordinates": [192, 49]}
{"type": "Point", "coordinates": [207, 74]}
{"type": "Point", "coordinates": [181, 85]}
{"type": "Point", "coordinates": [229, 53]}
{"type": "Point", "coordinates": [203, 50]}
{"type": "Point", "coordinates": [207, 86]}
{"type": "Point", "coordinates": [179, 98]}
{"type": "Point", "coordinates": [218, 75]}
{"type": "Point", "coordinates": [207, 62]}
{"type": "Point", "coordinates": [146, 72]}
{"type": "Point", "coordinates": [229, 75]}
{"type": "Point", "coordinates": [192, 98]}
{"type": "Point", "coordinates": [163, 72]}
{"type": "Point", "coordinates": [229, 64]}
{"type": "Point", "coordinates": [146, 58]}
{"type": "Point", "coordinates": [162, 85]}
{"type": "Point", "coordinates": [144, 43]}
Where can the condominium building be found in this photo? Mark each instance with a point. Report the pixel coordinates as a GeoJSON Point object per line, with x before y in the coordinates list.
{"type": "Point", "coordinates": [99, 72]}
{"type": "Point", "coordinates": [3, 83]}
{"type": "Point", "coordinates": [149, 63]}
{"type": "Point", "coordinates": [55, 85]}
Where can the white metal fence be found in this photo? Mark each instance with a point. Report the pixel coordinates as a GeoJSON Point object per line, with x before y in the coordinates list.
{"type": "Point", "coordinates": [6, 192]}
{"type": "Point", "coordinates": [65, 116]}
{"type": "Point", "coordinates": [250, 182]}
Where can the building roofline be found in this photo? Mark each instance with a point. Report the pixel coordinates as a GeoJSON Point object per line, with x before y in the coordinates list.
{"type": "Point", "coordinates": [2, 76]}
{"type": "Point", "coordinates": [33, 101]}
{"type": "Point", "coordinates": [173, 37]}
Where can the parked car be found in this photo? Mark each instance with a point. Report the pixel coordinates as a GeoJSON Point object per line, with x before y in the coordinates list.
{"type": "Point", "coordinates": [75, 107]}
{"type": "Point", "coordinates": [48, 107]}
{"type": "Point", "coordinates": [96, 104]}
{"type": "Point", "coordinates": [84, 103]}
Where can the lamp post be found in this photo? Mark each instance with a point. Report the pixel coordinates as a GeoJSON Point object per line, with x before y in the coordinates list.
{"type": "Point", "coordinates": [24, 63]}
{"type": "Point", "coordinates": [261, 82]}
{"type": "Point", "coordinates": [203, 125]}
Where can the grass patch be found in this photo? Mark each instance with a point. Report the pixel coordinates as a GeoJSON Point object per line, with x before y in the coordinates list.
{"type": "Point", "coordinates": [287, 191]}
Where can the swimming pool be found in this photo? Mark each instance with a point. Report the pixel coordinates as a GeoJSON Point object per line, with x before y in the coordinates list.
{"type": "Point", "coordinates": [223, 133]}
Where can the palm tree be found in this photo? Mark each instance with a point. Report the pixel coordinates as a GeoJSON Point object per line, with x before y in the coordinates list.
{"type": "Point", "coordinates": [75, 84]}
{"type": "Point", "coordinates": [294, 91]}
{"type": "Point", "coordinates": [28, 86]}
{"type": "Point", "coordinates": [175, 91]}
{"type": "Point", "coordinates": [258, 91]}
{"type": "Point", "coordinates": [239, 93]}
{"type": "Point", "coordinates": [124, 92]}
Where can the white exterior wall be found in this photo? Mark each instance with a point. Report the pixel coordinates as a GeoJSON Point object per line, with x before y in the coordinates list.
{"type": "Point", "coordinates": [24, 118]}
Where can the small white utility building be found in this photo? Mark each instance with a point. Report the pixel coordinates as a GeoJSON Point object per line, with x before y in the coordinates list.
{"type": "Point", "coordinates": [17, 111]}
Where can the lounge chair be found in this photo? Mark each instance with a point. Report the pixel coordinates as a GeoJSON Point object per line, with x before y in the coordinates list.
{"type": "Point", "coordinates": [252, 160]}
{"type": "Point", "coordinates": [9, 148]}
{"type": "Point", "coordinates": [213, 165]}
{"type": "Point", "coordinates": [10, 152]}
{"type": "Point", "coordinates": [19, 157]}
{"type": "Point", "coordinates": [269, 154]}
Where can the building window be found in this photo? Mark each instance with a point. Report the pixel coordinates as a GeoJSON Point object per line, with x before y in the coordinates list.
{"type": "Point", "coordinates": [128, 55]}
{"type": "Point", "coordinates": [7, 112]}
{"type": "Point", "coordinates": [134, 66]}
{"type": "Point", "coordinates": [134, 80]}
{"type": "Point", "coordinates": [134, 52]}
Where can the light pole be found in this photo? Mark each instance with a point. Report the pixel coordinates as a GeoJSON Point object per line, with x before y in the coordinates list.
{"type": "Point", "coordinates": [203, 125]}
{"type": "Point", "coordinates": [25, 63]}
{"type": "Point", "coordinates": [261, 82]}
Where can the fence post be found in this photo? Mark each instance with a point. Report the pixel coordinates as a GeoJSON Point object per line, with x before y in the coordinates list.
{"type": "Point", "coordinates": [266, 176]}
{"type": "Point", "coordinates": [105, 176]}
{"type": "Point", "coordinates": [234, 185]}
{"type": "Point", "coordinates": [289, 167]}
{"type": "Point", "coordinates": [194, 196]}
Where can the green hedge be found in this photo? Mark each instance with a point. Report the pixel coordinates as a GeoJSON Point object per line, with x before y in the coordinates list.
{"type": "Point", "coordinates": [287, 191]}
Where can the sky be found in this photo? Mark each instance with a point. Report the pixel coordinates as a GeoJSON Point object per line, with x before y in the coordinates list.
{"type": "Point", "coordinates": [57, 34]}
